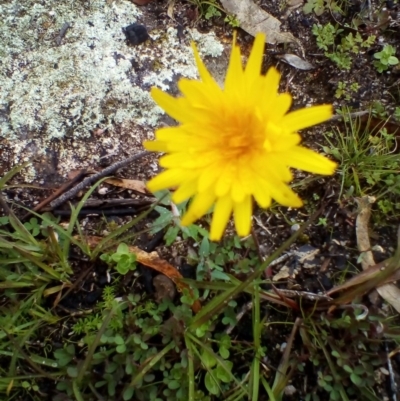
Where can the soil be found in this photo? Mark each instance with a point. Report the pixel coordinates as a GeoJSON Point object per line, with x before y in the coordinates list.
{"type": "Point", "coordinates": [331, 242]}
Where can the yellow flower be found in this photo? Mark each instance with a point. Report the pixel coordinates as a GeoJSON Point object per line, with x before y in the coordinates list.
{"type": "Point", "coordinates": [234, 144]}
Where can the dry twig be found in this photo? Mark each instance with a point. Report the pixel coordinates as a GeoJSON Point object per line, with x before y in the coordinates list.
{"type": "Point", "coordinates": [92, 179]}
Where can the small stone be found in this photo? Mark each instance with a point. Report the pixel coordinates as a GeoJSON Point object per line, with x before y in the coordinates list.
{"type": "Point", "coordinates": [290, 390]}
{"type": "Point", "coordinates": [136, 34]}
{"type": "Point", "coordinates": [165, 288]}
{"type": "Point", "coordinates": [384, 371]}
{"type": "Point", "coordinates": [377, 248]}
{"type": "Point", "coordinates": [282, 274]}
{"type": "Point", "coordinates": [295, 227]}
{"type": "Point", "coordinates": [103, 191]}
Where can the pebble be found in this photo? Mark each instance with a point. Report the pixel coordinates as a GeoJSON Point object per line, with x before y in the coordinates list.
{"type": "Point", "coordinates": [295, 227]}
{"type": "Point", "coordinates": [136, 34]}
{"type": "Point", "coordinates": [290, 390]}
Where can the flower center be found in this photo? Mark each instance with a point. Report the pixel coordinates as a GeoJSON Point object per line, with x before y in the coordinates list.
{"type": "Point", "coordinates": [242, 137]}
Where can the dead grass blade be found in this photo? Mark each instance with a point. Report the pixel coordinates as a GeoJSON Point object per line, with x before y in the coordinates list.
{"type": "Point", "coordinates": [285, 368]}
{"type": "Point", "coordinates": [389, 292]}
{"type": "Point", "coordinates": [134, 185]}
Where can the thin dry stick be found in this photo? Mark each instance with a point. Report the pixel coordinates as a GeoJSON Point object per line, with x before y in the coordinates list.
{"type": "Point", "coordinates": [90, 180]}
{"type": "Point", "coordinates": [56, 194]}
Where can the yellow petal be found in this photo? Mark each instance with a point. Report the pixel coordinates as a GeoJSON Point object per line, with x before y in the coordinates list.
{"type": "Point", "coordinates": [261, 195]}
{"type": "Point", "coordinates": [255, 92]}
{"type": "Point", "coordinates": [204, 73]}
{"type": "Point", "coordinates": [199, 206]}
{"type": "Point", "coordinates": [271, 86]}
{"type": "Point", "coordinates": [233, 79]}
{"type": "Point", "coordinates": [167, 179]}
{"type": "Point", "coordinates": [310, 161]}
{"type": "Point", "coordinates": [201, 96]}
{"type": "Point", "coordinates": [284, 142]}
{"type": "Point", "coordinates": [188, 160]}
{"type": "Point", "coordinates": [253, 67]}
{"type": "Point", "coordinates": [307, 117]}
{"type": "Point", "coordinates": [245, 176]}
{"type": "Point", "coordinates": [237, 192]}
{"type": "Point", "coordinates": [242, 215]}
{"type": "Point", "coordinates": [185, 191]}
{"type": "Point", "coordinates": [169, 133]}
{"type": "Point", "coordinates": [273, 166]}
{"type": "Point", "coordinates": [173, 160]}
{"type": "Point", "coordinates": [224, 182]}
{"type": "Point", "coordinates": [281, 192]}
{"type": "Point", "coordinates": [222, 212]}
{"type": "Point", "coordinates": [208, 177]}
{"type": "Point", "coordinates": [278, 167]}
{"type": "Point", "coordinates": [175, 107]}
{"type": "Point", "coordinates": [155, 146]}
{"type": "Point", "coordinates": [272, 78]}
{"type": "Point", "coordinates": [280, 106]}
{"type": "Point", "coordinates": [178, 139]}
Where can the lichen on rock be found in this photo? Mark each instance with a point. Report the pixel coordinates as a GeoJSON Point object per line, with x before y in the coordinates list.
{"type": "Point", "coordinates": [91, 78]}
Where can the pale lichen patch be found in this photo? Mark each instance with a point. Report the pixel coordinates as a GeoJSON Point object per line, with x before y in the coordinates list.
{"type": "Point", "coordinates": [94, 79]}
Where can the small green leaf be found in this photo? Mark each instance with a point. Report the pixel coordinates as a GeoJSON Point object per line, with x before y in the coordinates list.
{"type": "Point", "coordinates": [222, 372]}
{"type": "Point", "coordinates": [173, 384]}
{"type": "Point", "coordinates": [128, 393]}
{"type": "Point", "coordinates": [219, 275]}
{"type": "Point", "coordinates": [72, 371]}
{"type": "Point", "coordinates": [211, 384]}
{"type": "Point", "coordinates": [357, 380]}
{"type": "Point", "coordinates": [359, 370]}
{"type": "Point", "coordinates": [149, 377]}
{"type": "Point", "coordinates": [163, 196]}
{"type": "Point", "coordinates": [347, 368]}
{"type": "Point", "coordinates": [123, 248]}
{"type": "Point", "coordinates": [63, 356]}
{"type": "Point", "coordinates": [208, 359]}
{"type": "Point", "coordinates": [224, 352]}
{"type": "Point", "coordinates": [204, 250]}
{"type": "Point", "coordinates": [119, 340]}
{"type": "Point", "coordinates": [121, 348]}
{"type": "Point", "coordinates": [335, 354]}
{"type": "Point", "coordinates": [171, 235]}
{"type": "Point", "coordinates": [308, 7]}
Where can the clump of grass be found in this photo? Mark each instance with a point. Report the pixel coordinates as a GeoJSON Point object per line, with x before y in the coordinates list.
{"type": "Point", "coordinates": [368, 157]}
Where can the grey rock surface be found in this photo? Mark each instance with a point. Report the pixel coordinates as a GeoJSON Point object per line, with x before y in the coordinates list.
{"type": "Point", "coordinates": [82, 89]}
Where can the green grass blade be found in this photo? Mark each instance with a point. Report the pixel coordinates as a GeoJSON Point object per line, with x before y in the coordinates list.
{"type": "Point", "coordinates": [148, 365]}
{"type": "Point", "coordinates": [75, 223]}
{"type": "Point", "coordinates": [10, 174]}
{"type": "Point", "coordinates": [257, 327]}
{"type": "Point", "coordinates": [189, 347]}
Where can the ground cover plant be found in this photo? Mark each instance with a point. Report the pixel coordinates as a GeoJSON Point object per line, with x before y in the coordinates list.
{"type": "Point", "coordinates": [167, 302]}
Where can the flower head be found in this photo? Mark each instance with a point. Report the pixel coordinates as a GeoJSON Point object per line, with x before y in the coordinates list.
{"type": "Point", "coordinates": [235, 143]}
